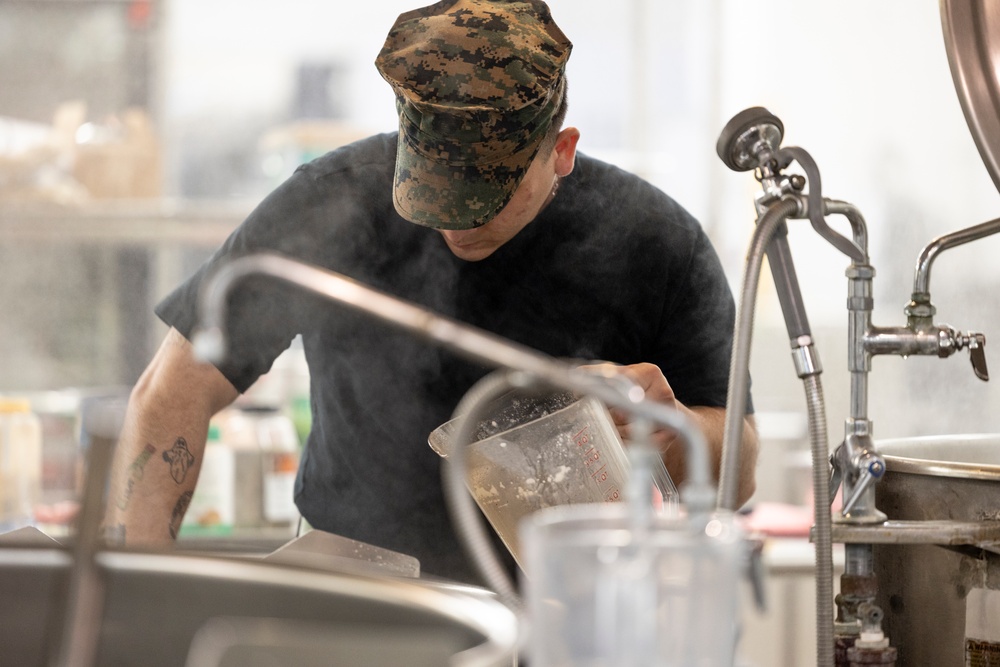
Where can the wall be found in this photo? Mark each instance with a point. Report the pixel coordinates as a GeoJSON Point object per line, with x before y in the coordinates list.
{"type": "Point", "coordinates": [864, 87]}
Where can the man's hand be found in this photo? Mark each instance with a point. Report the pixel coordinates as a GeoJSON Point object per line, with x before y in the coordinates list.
{"type": "Point", "coordinates": [650, 379]}
{"type": "Point", "coordinates": [711, 420]}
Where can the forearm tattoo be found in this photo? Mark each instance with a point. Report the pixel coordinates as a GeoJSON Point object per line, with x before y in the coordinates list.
{"type": "Point", "coordinates": [135, 474]}
{"type": "Point", "coordinates": [180, 459]}
{"type": "Point", "coordinates": [178, 515]}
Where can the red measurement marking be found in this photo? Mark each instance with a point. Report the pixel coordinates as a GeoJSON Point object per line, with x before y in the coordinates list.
{"type": "Point", "coordinates": [601, 474]}
{"type": "Point", "coordinates": [591, 456]}
{"type": "Point", "coordinates": [581, 438]}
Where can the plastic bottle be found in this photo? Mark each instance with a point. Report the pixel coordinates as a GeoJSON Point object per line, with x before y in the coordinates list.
{"type": "Point", "coordinates": [212, 509]}
{"type": "Point", "coordinates": [279, 451]}
{"type": "Point", "coordinates": [267, 457]}
{"type": "Point", "coordinates": [20, 463]}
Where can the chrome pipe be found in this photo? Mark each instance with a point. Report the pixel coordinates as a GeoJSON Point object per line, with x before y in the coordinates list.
{"type": "Point", "coordinates": [922, 273]}
{"type": "Point", "coordinates": [481, 346]}
{"type": "Point", "coordinates": [82, 625]}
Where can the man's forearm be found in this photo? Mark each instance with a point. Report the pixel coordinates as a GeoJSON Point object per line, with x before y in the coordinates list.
{"type": "Point", "coordinates": [160, 449]}
{"type": "Point", "coordinates": [153, 479]}
{"type": "Point", "coordinates": [712, 422]}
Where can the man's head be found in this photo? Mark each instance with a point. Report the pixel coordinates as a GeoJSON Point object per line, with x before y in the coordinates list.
{"type": "Point", "coordinates": [478, 84]}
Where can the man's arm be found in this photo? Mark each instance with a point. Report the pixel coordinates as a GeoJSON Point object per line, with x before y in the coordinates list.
{"type": "Point", "coordinates": [713, 425]}
{"type": "Point", "coordinates": [159, 453]}
{"type": "Point", "coordinates": [712, 421]}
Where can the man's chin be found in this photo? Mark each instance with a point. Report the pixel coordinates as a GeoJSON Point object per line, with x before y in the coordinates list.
{"type": "Point", "coordinates": [471, 253]}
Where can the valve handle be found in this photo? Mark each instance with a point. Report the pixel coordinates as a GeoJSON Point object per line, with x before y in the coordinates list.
{"type": "Point", "coordinates": [872, 469]}
{"type": "Point", "coordinates": [977, 354]}
{"type": "Point", "coordinates": [756, 574]}
{"type": "Point", "coordinates": [836, 474]}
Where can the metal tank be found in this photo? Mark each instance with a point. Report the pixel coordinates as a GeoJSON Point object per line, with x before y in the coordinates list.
{"type": "Point", "coordinates": [941, 598]}
{"type": "Point", "coordinates": [175, 610]}
{"type": "Point", "coordinates": [972, 40]}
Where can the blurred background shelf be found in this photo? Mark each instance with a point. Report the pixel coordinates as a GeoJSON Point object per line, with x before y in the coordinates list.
{"type": "Point", "coordinates": [156, 223]}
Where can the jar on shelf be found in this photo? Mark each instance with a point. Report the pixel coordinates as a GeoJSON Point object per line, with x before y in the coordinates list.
{"type": "Point", "coordinates": [20, 463]}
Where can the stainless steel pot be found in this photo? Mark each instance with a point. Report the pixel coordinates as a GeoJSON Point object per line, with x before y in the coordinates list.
{"type": "Point", "coordinates": [176, 609]}
{"type": "Point", "coordinates": [972, 40]}
{"type": "Point", "coordinates": [935, 597]}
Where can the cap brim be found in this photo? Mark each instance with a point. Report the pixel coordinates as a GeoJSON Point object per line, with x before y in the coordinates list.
{"type": "Point", "coordinates": [445, 196]}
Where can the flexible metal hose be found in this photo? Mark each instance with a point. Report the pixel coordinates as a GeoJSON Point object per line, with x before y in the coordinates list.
{"type": "Point", "coordinates": [736, 407]}
{"type": "Point", "coordinates": [739, 366]}
{"type": "Point", "coordinates": [822, 540]}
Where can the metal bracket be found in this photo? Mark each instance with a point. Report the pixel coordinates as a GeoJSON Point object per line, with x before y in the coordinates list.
{"type": "Point", "coordinates": [982, 534]}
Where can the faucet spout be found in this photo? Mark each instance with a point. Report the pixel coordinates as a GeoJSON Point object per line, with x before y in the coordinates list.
{"type": "Point", "coordinates": [921, 335]}
{"type": "Point", "coordinates": [922, 273]}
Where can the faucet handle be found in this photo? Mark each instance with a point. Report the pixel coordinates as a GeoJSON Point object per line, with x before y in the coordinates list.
{"type": "Point", "coordinates": [977, 353]}
{"type": "Point", "coordinates": [976, 342]}
{"type": "Point", "coordinates": [871, 467]}
{"type": "Point", "coordinates": [755, 573]}
{"type": "Point", "coordinates": [838, 461]}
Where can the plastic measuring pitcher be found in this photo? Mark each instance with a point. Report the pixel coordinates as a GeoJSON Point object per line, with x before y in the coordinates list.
{"type": "Point", "coordinates": [531, 453]}
{"type": "Point", "coordinates": [604, 591]}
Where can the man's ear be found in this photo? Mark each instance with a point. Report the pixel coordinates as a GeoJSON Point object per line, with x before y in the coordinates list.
{"type": "Point", "coordinates": [565, 150]}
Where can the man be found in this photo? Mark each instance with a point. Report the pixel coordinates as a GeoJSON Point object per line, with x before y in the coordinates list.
{"type": "Point", "coordinates": [479, 209]}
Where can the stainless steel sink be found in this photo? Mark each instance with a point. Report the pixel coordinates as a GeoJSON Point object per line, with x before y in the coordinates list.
{"type": "Point", "coordinates": [185, 609]}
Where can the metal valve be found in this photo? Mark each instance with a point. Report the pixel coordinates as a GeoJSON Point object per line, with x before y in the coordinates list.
{"type": "Point", "coordinates": [943, 341]}
{"type": "Point", "coordinates": [856, 466]}
{"type": "Point", "coordinates": [976, 342]}
{"type": "Point", "coordinates": [871, 467]}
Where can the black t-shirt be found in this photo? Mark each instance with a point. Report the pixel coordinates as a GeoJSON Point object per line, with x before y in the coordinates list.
{"type": "Point", "coordinates": [612, 269]}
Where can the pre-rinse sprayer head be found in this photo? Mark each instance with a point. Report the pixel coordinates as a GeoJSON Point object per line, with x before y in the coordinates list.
{"type": "Point", "coordinates": [750, 139]}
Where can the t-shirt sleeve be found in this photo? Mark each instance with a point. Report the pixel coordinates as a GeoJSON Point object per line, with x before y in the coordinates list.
{"type": "Point", "coordinates": [697, 322]}
{"type": "Point", "coordinates": [261, 316]}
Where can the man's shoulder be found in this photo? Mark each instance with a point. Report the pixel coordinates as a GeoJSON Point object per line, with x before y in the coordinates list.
{"type": "Point", "coordinates": [348, 186]}
{"type": "Point", "coordinates": [374, 152]}
{"type": "Point", "coordinates": [610, 190]}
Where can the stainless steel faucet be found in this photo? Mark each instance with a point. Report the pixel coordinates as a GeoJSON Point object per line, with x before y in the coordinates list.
{"type": "Point", "coordinates": [750, 141]}
{"type": "Point", "coordinates": [526, 367]}
{"type": "Point", "coordinates": [920, 311]}
{"type": "Point", "coordinates": [856, 463]}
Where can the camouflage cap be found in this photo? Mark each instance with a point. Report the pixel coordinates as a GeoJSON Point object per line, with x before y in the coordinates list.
{"type": "Point", "coordinates": [477, 84]}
